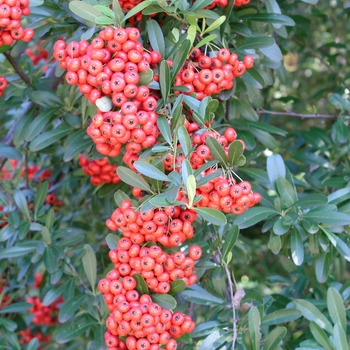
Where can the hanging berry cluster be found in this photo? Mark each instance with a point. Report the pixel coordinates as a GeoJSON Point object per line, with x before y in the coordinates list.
{"type": "Point", "coordinates": [11, 12]}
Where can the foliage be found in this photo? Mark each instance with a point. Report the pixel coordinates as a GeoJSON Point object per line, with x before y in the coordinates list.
{"type": "Point", "coordinates": [275, 276]}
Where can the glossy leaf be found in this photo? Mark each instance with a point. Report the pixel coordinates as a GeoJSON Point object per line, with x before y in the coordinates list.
{"type": "Point", "coordinates": [252, 216]}
{"type": "Point", "coordinates": [286, 191]}
{"type": "Point", "coordinates": [281, 316]}
{"type": "Point", "coordinates": [164, 128]}
{"type": "Point", "coordinates": [166, 301]}
{"type": "Point", "coordinates": [150, 171]}
{"type": "Point", "coordinates": [69, 308]}
{"type": "Point", "coordinates": [339, 244]}
{"type": "Point", "coordinates": [40, 196]}
{"type": "Point", "coordinates": [320, 336]}
{"type": "Point", "coordinates": [340, 340]}
{"type": "Point", "coordinates": [254, 327]}
{"type": "Point", "coordinates": [336, 307]}
{"type": "Point", "coordinates": [274, 338]}
{"type": "Point", "coordinates": [141, 285]}
{"type": "Point", "coordinates": [297, 247]}
{"type": "Point", "coordinates": [47, 138]}
{"type": "Point", "coordinates": [132, 179]}
{"type": "Point", "coordinates": [200, 296]}
{"type": "Point", "coordinates": [275, 168]}
{"type": "Point", "coordinates": [164, 78]}
{"type": "Point", "coordinates": [15, 252]}
{"type": "Point", "coordinates": [177, 287]}
{"type": "Point", "coordinates": [16, 308]}
{"type": "Point", "coordinates": [311, 201]}
{"type": "Point", "coordinates": [230, 241]}
{"type": "Point", "coordinates": [74, 331]}
{"type": "Point", "coordinates": [84, 10]}
{"type": "Point", "coordinates": [10, 152]}
{"type": "Point", "coordinates": [53, 294]}
{"type": "Point", "coordinates": [213, 216]}
{"type": "Point", "coordinates": [216, 150]}
{"type": "Point", "coordinates": [184, 140]}
{"type": "Point", "coordinates": [90, 265]}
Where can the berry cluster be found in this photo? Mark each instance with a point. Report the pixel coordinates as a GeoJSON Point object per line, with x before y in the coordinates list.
{"type": "Point", "coordinates": [154, 265]}
{"type": "Point", "coordinates": [3, 84]}
{"type": "Point", "coordinates": [145, 323]}
{"type": "Point", "coordinates": [170, 227]}
{"type": "Point", "coordinates": [44, 315]}
{"type": "Point", "coordinates": [100, 171]}
{"type": "Point", "coordinates": [208, 76]}
{"type": "Point", "coordinates": [223, 3]}
{"type": "Point", "coordinates": [36, 55]}
{"type": "Point", "coordinates": [11, 12]}
{"type": "Point", "coordinates": [26, 336]}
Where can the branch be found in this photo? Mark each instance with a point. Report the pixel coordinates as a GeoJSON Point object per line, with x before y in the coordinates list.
{"type": "Point", "coordinates": [299, 115]}
{"type": "Point", "coordinates": [17, 68]}
{"type": "Point", "coordinates": [234, 321]}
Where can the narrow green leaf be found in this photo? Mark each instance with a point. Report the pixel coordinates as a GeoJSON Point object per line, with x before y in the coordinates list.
{"type": "Point", "coordinates": [281, 316]}
{"type": "Point", "coordinates": [141, 285]}
{"type": "Point", "coordinates": [164, 128]}
{"type": "Point", "coordinates": [54, 293]}
{"type": "Point", "coordinates": [9, 324]}
{"type": "Point", "coordinates": [146, 77]}
{"type": "Point", "coordinates": [40, 196]}
{"type": "Point", "coordinates": [199, 295]}
{"type": "Point", "coordinates": [339, 338]}
{"type": "Point", "coordinates": [254, 327]}
{"type": "Point", "coordinates": [234, 152]}
{"type": "Point", "coordinates": [323, 263]}
{"type": "Point", "coordinates": [50, 261]}
{"type": "Point", "coordinates": [10, 152]}
{"type": "Point", "coordinates": [118, 13]}
{"type": "Point", "coordinates": [132, 179]}
{"type": "Point", "coordinates": [230, 241]}
{"type": "Point", "coordinates": [217, 151]}
{"type": "Point", "coordinates": [16, 307]}
{"type": "Point", "coordinates": [256, 42]}
{"type": "Point", "coordinates": [328, 217]}
{"type": "Point", "coordinates": [213, 216]}
{"type": "Point", "coordinates": [47, 138]}
{"type": "Point", "coordinates": [336, 307]}
{"type": "Point", "coordinates": [286, 191]}
{"type": "Point", "coordinates": [21, 203]}
{"type": "Point", "coordinates": [184, 140]}
{"type": "Point", "coordinates": [112, 241]}
{"type": "Point", "coordinates": [90, 265]}
{"type": "Point", "coordinates": [216, 24]}
{"type": "Point", "coordinates": [84, 10]}
{"type": "Point", "coordinates": [206, 40]}
{"type": "Point", "coordinates": [166, 301]}
{"type": "Point", "coordinates": [105, 10]}
{"type": "Point", "coordinates": [15, 252]}
{"type": "Point", "coordinates": [275, 243]}
{"type": "Point", "coordinates": [33, 344]}
{"type": "Point", "coordinates": [274, 338]}
{"type": "Point", "coordinates": [275, 168]}
{"type": "Point", "coordinates": [74, 331]}
{"type": "Point", "coordinates": [339, 196]}
{"type": "Point", "coordinates": [120, 196]}
{"type": "Point", "coordinates": [273, 18]}
{"type": "Point", "coordinates": [76, 143]}
{"type": "Point", "coordinates": [297, 247]}
{"type": "Point", "coordinates": [164, 79]}
{"type": "Point", "coordinates": [253, 215]}
{"type": "Point", "coordinates": [191, 189]}
{"type": "Point", "coordinates": [339, 244]}
{"type": "Point", "coordinates": [177, 287]}
{"type": "Point", "coordinates": [150, 171]}
{"type": "Point", "coordinates": [156, 38]}
{"type": "Point", "coordinates": [312, 313]}
{"type": "Point", "coordinates": [199, 4]}
{"type": "Point", "coordinates": [311, 201]}
{"type": "Point", "coordinates": [180, 58]}
{"type": "Point", "coordinates": [69, 308]}
{"type": "Point", "coordinates": [320, 336]}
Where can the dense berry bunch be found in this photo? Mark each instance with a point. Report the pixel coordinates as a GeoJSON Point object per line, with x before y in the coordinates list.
{"type": "Point", "coordinates": [157, 267]}
{"type": "Point", "coordinates": [108, 66]}
{"type": "Point", "coordinates": [3, 84]}
{"type": "Point", "coordinates": [135, 128]}
{"type": "Point", "coordinates": [11, 12]}
{"type": "Point", "coordinates": [27, 335]}
{"type": "Point", "coordinates": [44, 315]}
{"type": "Point", "coordinates": [223, 3]}
{"type": "Point", "coordinates": [145, 323]}
{"type": "Point", "coordinates": [170, 227]}
{"type": "Point", "coordinates": [208, 76]}
{"type": "Point", "coordinates": [100, 171]}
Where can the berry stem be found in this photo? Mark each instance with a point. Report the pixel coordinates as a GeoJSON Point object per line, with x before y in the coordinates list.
{"type": "Point", "coordinates": [16, 67]}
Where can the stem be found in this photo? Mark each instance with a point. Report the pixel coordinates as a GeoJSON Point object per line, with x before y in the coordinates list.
{"type": "Point", "coordinates": [17, 68]}
{"type": "Point", "coordinates": [234, 321]}
{"type": "Point", "coordinates": [299, 115]}
{"type": "Point", "coordinates": [8, 196]}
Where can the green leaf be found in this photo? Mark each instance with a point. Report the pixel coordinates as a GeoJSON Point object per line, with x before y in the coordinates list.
{"type": "Point", "coordinates": [33, 344]}
{"type": "Point", "coordinates": [322, 266]}
{"type": "Point", "coordinates": [177, 287]}
{"type": "Point", "coordinates": [184, 139]}
{"type": "Point", "coordinates": [141, 285]}
{"type": "Point", "coordinates": [50, 261]}
{"type": "Point", "coordinates": [119, 197]}
{"type": "Point", "coordinates": [286, 191]}
{"type": "Point", "coordinates": [199, 4]}
{"type": "Point", "coordinates": [191, 189]}
{"type": "Point", "coordinates": [54, 293]}
{"type": "Point", "coordinates": [21, 203]}
{"type": "Point", "coordinates": [74, 331]}
{"type": "Point", "coordinates": [216, 150]}
{"type": "Point", "coordinates": [320, 336]}
{"type": "Point", "coordinates": [47, 138]}
{"type": "Point", "coordinates": [312, 313]}
{"type": "Point", "coordinates": [76, 143]}
{"type": "Point", "coordinates": [118, 13]}
{"type": "Point", "coordinates": [45, 98]}
{"type": "Point", "coordinates": [132, 179]}
{"type": "Point", "coordinates": [275, 243]}
{"type": "Point", "coordinates": [339, 338]}
{"type": "Point", "coordinates": [275, 168]}
{"type": "Point", "coordinates": [180, 58]}
{"type": "Point", "coordinates": [256, 42]}
{"type": "Point", "coordinates": [10, 152]}
{"type": "Point", "coordinates": [164, 79]}
{"type": "Point", "coordinates": [90, 265]}
{"type": "Point", "coordinates": [273, 18]}
{"type": "Point", "coordinates": [166, 301]}
{"type": "Point", "coordinates": [340, 245]}
{"type": "Point", "coordinates": [281, 316]}
{"type": "Point", "coordinates": [38, 124]}
{"type": "Point", "coordinates": [69, 308]}
{"type": "Point", "coordinates": [206, 40]}
{"type": "Point", "coordinates": [198, 295]}
{"type": "Point", "coordinates": [156, 38]}
{"type": "Point", "coordinates": [274, 338]}
{"type": "Point", "coordinates": [230, 241]}
{"type": "Point", "coordinates": [84, 10]}
{"type": "Point", "coordinates": [336, 307]}
{"type": "Point", "coordinates": [254, 327]}
{"type": "Point", "coordinates": [332, 218]}
{"type": "Point", "coordinates": [339, 196]}
{"type": "Point", "coordinates": [216, 24]}
{"type": "Point", "coordinates": [247, 112]}
{"type": "Point", "coordinates": [105, 10]}
{"type": "Point", "coordinates": [11, 338]}
{"type": "Point", "coordinates": [150, 171]}
{"type": "Point", "coordinates": [253, 215]}
{"type": "Point", "coordinates": [16, 308]}
{"type": "Point", "coordinates": [40, 197]}
{"type": "Point", "coordinates": [146, 77]}
{"type": "Point", "coordinates": [213, 216]}
{"type": "Point", "coordinates": [297, 247]}
{"type": "Point", "coordinates": [15, 252]}
{"type": "Point", "coordinates": [164, 128]}
{"type": "Point", "coordinates": [235, 151]}
{"type": "Point", "coordinates": [112, 241]}
{"type": "Point", "coordinates": [8, 324]}
{"type": "Point", "coordinates": [311, 201]}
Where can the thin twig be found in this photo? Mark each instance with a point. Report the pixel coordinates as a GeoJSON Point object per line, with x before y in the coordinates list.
{"type": "Point", "coordinates": [234, 321]}
{"type": "Point", "coordinates": [16, 67]}
{"type": "Point", "coordinates": [83, 284]}
{"type": "Point", "coordinates": [299, 115]}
